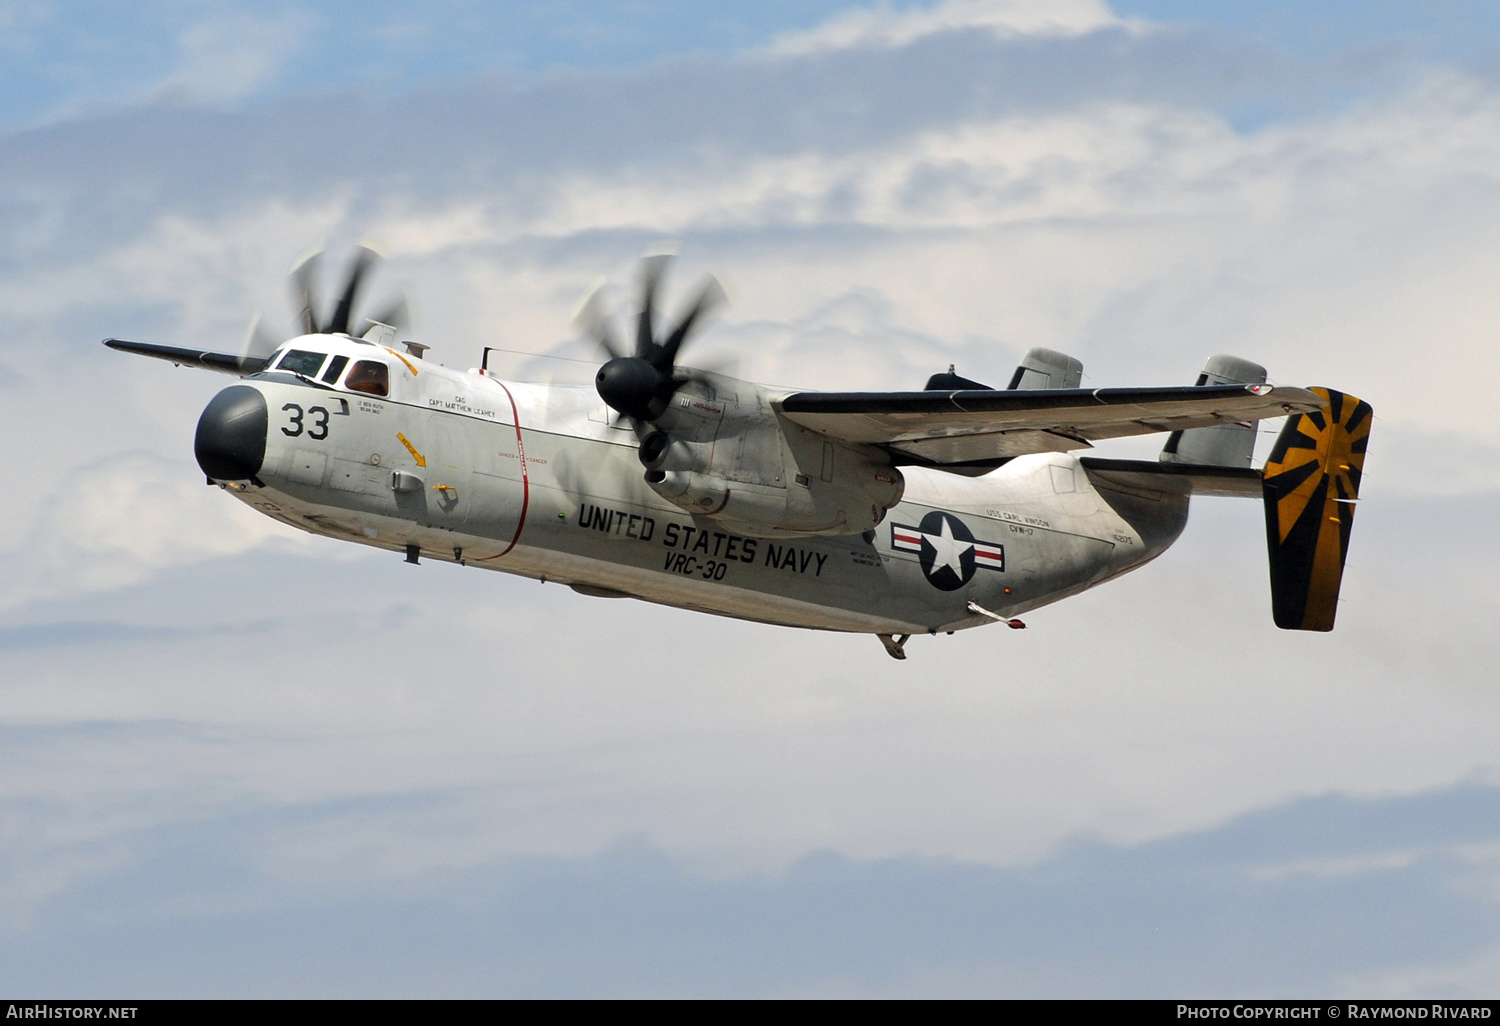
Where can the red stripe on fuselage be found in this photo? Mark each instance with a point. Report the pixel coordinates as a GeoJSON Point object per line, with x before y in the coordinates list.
{"type": "Point", "coordinates": [525, 476]}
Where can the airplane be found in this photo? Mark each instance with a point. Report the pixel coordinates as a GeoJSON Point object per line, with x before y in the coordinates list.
{"type": "Point", "coordinates": [895, 514]}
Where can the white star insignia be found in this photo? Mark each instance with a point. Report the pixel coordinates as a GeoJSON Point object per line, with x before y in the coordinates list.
{"type": "Point", "coordinates": [949, 550]}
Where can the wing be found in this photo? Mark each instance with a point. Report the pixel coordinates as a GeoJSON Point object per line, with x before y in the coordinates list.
{"type": "Point", "coordinates": [973, 426]}
{"type": "Point", "coordinates": [238, 365]}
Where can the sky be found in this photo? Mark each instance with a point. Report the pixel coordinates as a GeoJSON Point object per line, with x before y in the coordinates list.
{"type": "Point", "coordinates": [241, 761]}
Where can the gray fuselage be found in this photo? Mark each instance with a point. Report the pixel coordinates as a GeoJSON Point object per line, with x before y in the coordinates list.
{"type": "Point", "coordinates": [535, 480]}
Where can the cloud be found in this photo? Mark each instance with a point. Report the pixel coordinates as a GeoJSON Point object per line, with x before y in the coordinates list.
{"type": "Point", "coordinates": [326, 673]}
{"type": "Point", "coordinates": [1139, 232]}
{"type": "Point", "coordinates": [189, 686]}
{"type": "Point", "coordinates": [229, 57]}
{"type": "Point", "coordinates": [498, 135]}
{"type": "Point", "coordinates": [124, 520]}
{"type": "Point", "coordinates": [1094, 919]}
{"type": "Point", "coordinates": [883, 26]}
{"type": "Point", "coordinates": [18, 21]}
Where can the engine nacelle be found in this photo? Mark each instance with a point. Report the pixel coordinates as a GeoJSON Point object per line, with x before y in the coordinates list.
{"type": "Point", "coordinates": [851, 506]}
{"type": "Point", "coordinates": [721, 451]}
{"type": "Point", "coordinates": [701, 493]}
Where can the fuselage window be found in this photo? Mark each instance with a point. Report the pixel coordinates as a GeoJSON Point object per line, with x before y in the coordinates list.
{"type": "Point", "coordinates": [300, 361]}
{"type": "Point", "coordinates": [369, 376]}
{"type": "Point", "coordinates": [335, 368]}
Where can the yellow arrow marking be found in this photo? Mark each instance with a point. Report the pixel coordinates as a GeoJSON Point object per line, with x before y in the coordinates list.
{"type": "Point", "coordinates": [421, 460]}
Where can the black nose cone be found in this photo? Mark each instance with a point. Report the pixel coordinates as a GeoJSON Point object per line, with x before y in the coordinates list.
{"type": "Point", "coordinates": [231, 440]}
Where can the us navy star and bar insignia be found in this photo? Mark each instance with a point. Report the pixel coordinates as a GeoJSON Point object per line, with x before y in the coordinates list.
{"type": "Point", "coordinates": [947, 550]}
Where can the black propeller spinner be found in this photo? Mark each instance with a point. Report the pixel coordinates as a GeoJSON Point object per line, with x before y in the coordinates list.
{"type": "Point", "coordinates": [640, 386]}
{"type": "Point", "coordinates": [305, 297]}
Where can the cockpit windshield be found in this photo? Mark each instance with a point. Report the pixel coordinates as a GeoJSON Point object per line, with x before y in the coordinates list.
{"type": "Point", "coordinates": [301, 361]}
{"type": "Point", "coordinates": [369, 376]}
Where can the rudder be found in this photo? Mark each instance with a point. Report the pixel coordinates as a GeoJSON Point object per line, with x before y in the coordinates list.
{"type": "Point", "coordinates": [1310, 485]}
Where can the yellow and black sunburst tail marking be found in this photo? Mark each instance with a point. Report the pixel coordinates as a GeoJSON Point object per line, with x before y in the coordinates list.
{"type": "Point", "coordinates": [1311, 483]}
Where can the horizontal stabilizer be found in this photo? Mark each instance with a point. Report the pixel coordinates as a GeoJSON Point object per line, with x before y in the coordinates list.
{"type": "Point", "coordinates": [1234, 482]}
{"type": "Point", "coordinates": [222, 362]}
{"type": "Point", "coordinates": [1311, 483]}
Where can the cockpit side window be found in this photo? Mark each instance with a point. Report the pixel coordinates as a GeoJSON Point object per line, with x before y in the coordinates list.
{"type": "Point", "coordinates": [335, 368]}
{"type": "Point", "coordinates": [301, 361]}
{"type": "Point", "coordinates": [369, 376]}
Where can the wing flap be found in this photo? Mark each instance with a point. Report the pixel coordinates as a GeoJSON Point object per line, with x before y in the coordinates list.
{"type": "Point", "coordinates": [995, 423]}
{"type": "Point", "coordinates": [987, 445]}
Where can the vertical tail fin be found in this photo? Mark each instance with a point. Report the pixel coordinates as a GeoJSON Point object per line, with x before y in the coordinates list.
{"type": "Point", "coordinates": [1047, 368]}
{"type": "Point", "coordinates": [1310, 485]}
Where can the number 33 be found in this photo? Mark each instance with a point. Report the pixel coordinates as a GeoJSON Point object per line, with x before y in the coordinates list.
{"type": "Point", "coordinates": [319, 429]}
